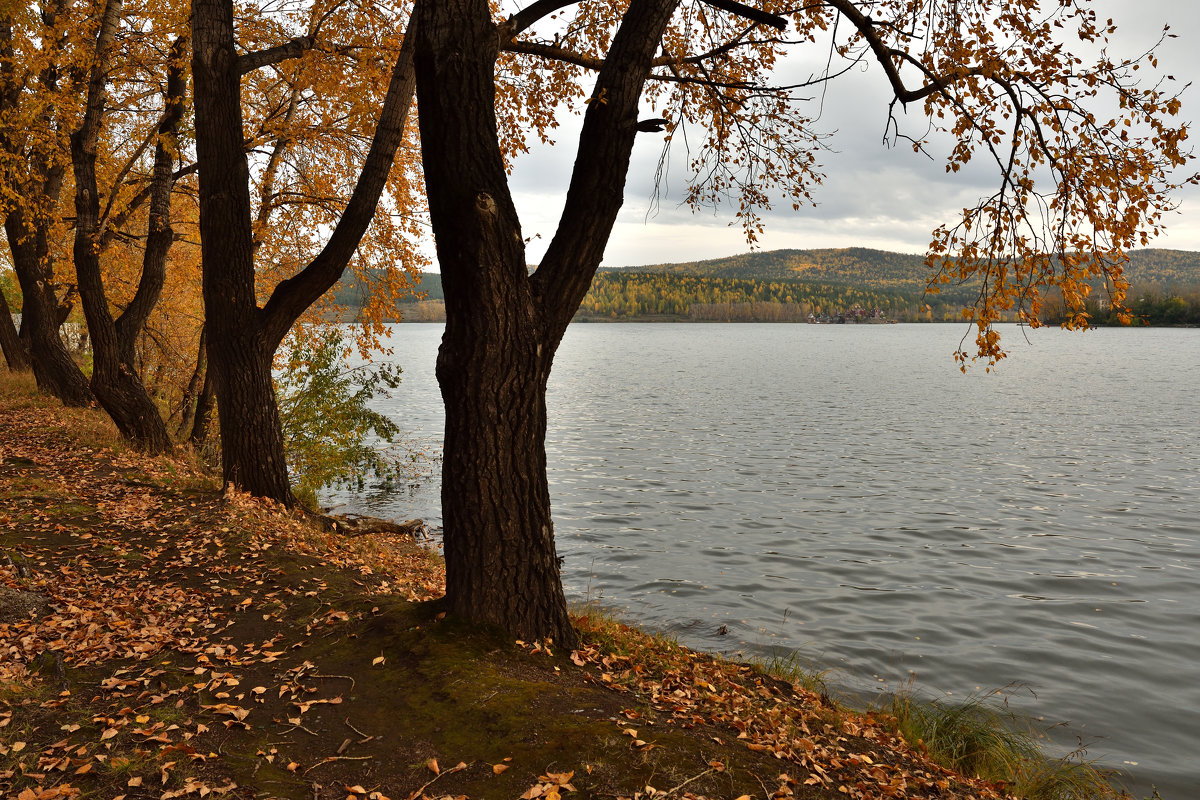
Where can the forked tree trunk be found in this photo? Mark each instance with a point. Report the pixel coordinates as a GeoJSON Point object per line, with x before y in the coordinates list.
{"type": "Point", "coordinates": [241, 337]}
{"type": "Point", "coordinates": [502, 325]}
{"type": "Point", "coordinates": [115, 378]}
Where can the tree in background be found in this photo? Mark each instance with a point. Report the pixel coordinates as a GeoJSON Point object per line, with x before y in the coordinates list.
{"type": "Point", "coordinates": [1074, 190]}
{"type": "Point", "coordinates": [16, 356]}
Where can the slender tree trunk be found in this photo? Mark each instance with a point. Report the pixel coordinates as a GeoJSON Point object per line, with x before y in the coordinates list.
{"type": "Point", "coordinates": [205, 404]}
{"type": "Point", "coordinates": [27, 230]}
{"type": "Point", "coordinates": [15, 354]}
{"type": "Point", "coordinates": [187, 406]}
{"type": "Point", "coordinates": [115, 378]}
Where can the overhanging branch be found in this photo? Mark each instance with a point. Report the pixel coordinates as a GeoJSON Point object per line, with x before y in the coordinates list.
{"type": "Point", "coordinates": [742, 10]}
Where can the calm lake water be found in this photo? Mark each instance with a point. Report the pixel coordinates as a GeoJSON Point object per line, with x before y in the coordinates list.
{"type": "Point", "coordinates": [844, 493]}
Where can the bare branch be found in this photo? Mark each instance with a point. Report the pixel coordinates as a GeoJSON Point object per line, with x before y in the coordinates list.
{"type": "Point", "coordinates": [742, 10]}
{"type": "Point", "coordinates": [528, 16]}
{"type": "Point", "coordinates": [293, 48]}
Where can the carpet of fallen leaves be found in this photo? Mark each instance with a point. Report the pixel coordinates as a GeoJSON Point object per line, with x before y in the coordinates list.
{"type": "Point", "coordinates": [161, 640]}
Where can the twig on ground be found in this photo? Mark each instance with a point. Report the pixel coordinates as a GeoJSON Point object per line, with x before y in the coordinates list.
{"type": "Point", "coordinates": [689, 780]}
{"type": "Point", "coordinates": [365, 737]}
{"type": "Point", "coordinates": [331, 677]}
{"type": "Point", "coordinates": [441, 774]}
{"type": "Point", "coordinates": [331, 759]}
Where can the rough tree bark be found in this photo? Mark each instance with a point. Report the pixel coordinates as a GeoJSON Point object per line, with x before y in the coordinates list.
{"type": "Point", "coordinates": [503, 326]}
{"type": "Point", "coordinates": [242, 338]}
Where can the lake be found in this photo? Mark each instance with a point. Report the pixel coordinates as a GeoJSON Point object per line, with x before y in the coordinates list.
{"type": "Point", "coordinates": [844, 493]}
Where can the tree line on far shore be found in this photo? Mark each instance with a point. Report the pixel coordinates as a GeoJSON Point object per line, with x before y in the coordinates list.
{"type": "Point", "coordinates": [627, 295]}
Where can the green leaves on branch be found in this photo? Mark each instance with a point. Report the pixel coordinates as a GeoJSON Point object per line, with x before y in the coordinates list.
{"type": "Point", "coordinates": [331, 436]}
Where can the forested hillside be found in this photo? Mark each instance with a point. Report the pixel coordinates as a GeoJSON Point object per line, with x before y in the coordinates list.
{"type": "Point", "coordinates": [862, 267]}
{"type": "Point", "coordinates": [618, 294]}
{"type": "Point", "coordinates": [351, 292]}
{"type": "Point", "coordinates": [1167, 268]}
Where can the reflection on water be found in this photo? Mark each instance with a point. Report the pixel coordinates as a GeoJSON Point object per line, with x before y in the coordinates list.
{"type": "Point", "coordinates": [845, 492]}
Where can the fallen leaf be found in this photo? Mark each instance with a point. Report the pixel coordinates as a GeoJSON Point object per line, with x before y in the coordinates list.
{"type": "Point", "coordinates": [377, 661]}
{"type": "Point", "coordinates": [498, 768]}
{"type": "Point", "coordinates": [433, 766]}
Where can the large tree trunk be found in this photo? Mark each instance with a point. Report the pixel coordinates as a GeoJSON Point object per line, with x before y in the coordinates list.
{"type": "Point", "coordinates": [501, 564]}
{"type": "Point", "coordinates": [503, 326]}
{"type": "Point", "coordinates": [15, 355]}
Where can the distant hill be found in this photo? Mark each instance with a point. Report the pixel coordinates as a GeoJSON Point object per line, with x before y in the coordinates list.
{"type": "Point", "coordinates": [352, 293]}
{"type": "Point", "coordinates": [1170, 268]}
{"type": "Point", "coordinates": [881, 269]}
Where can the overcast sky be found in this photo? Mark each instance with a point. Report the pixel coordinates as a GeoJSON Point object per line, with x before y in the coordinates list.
{"type": "Point", "coordinates": [874, 196]}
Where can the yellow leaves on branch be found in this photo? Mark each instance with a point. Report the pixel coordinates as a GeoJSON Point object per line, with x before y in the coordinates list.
{"type": "Point", "coordinates": [1073, 191]}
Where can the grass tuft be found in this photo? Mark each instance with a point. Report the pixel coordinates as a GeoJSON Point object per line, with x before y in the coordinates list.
{"type": "Point", "coordinates": [787, 666]}
{"type": "Point", "coordinates": [978, 737]}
